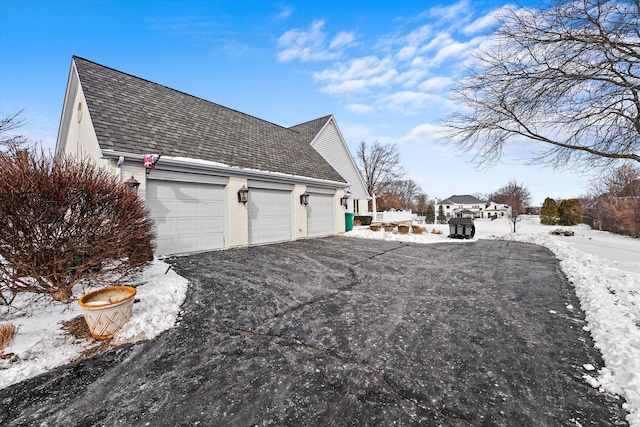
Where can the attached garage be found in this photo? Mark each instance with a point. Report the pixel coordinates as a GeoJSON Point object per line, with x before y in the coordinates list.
{"type": "Point", "coordinates": [320, 213]}
{"type": "Point", "coordinates": [215, 179]}
{"type": "Point", "coordinates": [189, 216]}
{"type": "Point", "coordinates": [269, 213]}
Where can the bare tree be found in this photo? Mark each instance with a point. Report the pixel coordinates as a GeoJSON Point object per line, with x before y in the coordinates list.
{"type": "Point", "coordinates": [566, 75]}
{"type": "Point", "coordinates": [399, 194]}
{"type": "Point", "coordinates": [379, 164]}
{"type": "Point", "coordinates": [515, 195]}
{"type": "Point", "coordinates": [622, 182]}
{"type": "Point", "coordinates": [614, 202]}
{"type": "Point", "coordinates": [8, 137]}
{"type": "Point", "coordinates": [421, 203]}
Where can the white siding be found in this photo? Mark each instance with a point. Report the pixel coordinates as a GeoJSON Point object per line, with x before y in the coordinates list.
{"type": "Point", "coordinates": [330, 144]}
{"type": "Point", "coordinates": [238, 214]}
{"type": "Point", "coordinates": [77, 136]}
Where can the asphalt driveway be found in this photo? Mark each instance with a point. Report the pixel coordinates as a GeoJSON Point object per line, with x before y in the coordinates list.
{"type": "Point", "coordinates": [344, 331]}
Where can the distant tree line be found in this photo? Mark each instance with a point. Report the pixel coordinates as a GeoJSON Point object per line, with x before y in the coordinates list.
{"type": "Point", "coordinates": [385, 177]}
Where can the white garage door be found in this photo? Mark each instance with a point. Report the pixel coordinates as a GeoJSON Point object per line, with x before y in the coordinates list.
{"type": "Point", "coordinates": [269, 216]}
{"type": "Point", "coordinates": [189, 217]}
{"type": "Point", "coordinates": [320, 215]}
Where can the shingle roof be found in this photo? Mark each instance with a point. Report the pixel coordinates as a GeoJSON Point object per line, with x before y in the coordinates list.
{"type": "Point", "coordinates": [309, 130]}
{"type": "Point", "coordinates": [462, 200]}
{"type": "Point", "coordinates": [137, 116]}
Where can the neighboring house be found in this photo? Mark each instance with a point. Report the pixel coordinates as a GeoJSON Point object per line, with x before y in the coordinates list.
{"type": "Point", "coordinates": [209, 153]}
{"type": "Point", "coordinates": [496, 210]}
{"type": "Point", "coordinates": [455, 204]}
{"type": "Point", "coordinates": [466, 206]}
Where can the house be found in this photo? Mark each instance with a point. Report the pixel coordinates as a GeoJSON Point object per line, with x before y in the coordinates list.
{"type": "Point", "coordinates": [221, 178]}
{"type": "Point", "coordinates": [455, 204]}
{"type": "Point", "coordinates": [496, 210]}
{"type": "Point", "coordinates": [467, 206]}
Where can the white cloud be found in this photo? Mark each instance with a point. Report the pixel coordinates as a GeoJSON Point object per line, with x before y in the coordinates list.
{"type": "Point", "coordinates": [306, 45]}
{"type": "Point", "coordinates": [405, 72]}
{"type": "Point", "coordinates": [356, 76]}
{"type": "Point", "coordinates": [435, 83]}
{"type": "Point", "coordinates": [346, 87]}
{"type": "Point", "coordinates": [310, 44]}
{"type": "Point", "coordinates": [412, 76]}
{"type": "Point", "coordinates": [450, 13]}
{"type": "Point", "coordinates": [407, 52]}
{"type": "Point", "coordinates": [343, 39]}
{"type": "Point", "coordinates": [284, 13]}
{"type": "Point", "coordinates": [451, 49]}
{"type": "Point", "coordinates": [441, 40]}
{"type": "Point", "coordinates": [485, 22]}
{"type": "Point", "coordinates": [426, 132]}
{"type": "Point", "coordinates": [419, 35]}
{"type": "Point", "coordinates": [360, 108]}
{"type": "Point", "coordinates": [406, 102]}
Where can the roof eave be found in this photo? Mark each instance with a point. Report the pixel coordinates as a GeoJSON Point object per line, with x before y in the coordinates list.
{"type": "Point", "coordinates": [211, 168]}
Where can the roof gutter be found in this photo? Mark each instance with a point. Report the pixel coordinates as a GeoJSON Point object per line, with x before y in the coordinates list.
{"type": "Point", "coordinates": [210, 168]}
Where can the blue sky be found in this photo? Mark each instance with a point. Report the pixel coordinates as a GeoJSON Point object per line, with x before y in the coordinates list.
{"type": "Point", "coordinates": [382, 68]}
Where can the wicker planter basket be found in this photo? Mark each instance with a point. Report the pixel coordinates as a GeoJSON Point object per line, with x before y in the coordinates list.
{"type": "Point", "coordinates": [107, 310]}
{"type": "Point", "coordinates": [403, 229]}
{"type": "Point", "coordinates": [418, 230]}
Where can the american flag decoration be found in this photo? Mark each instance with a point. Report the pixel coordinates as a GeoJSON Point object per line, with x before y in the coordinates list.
{"type": "Point", "coordinates": [150, 161]}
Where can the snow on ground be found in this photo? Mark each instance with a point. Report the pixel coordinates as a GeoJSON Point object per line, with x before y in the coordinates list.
{"type": "Point", "coordinates": [605, 271]}
{"type": "Point", "coordinates": [604, 268]}
{"type": "Point", "coordinates": [41, 344]}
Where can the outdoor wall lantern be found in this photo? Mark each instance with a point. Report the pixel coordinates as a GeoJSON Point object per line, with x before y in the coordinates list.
{"type": "Point", "coordinates": [133, 183]}
{"type": "Point", "coordinates": [304, 198]}
{"type": "Point", "coordinates": [243, 195]}
{"type": "Point", "coordinates": [344, 200]}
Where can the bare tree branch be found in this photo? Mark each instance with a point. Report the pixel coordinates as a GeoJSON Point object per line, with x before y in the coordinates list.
{"type": "Point", "coordinates": [8, 126]}
{"type": "Point", "coordinates": [566, 75]}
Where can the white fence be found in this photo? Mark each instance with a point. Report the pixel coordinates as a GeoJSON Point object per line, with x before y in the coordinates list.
{"type": "Point", "coordinates": [393, 216]}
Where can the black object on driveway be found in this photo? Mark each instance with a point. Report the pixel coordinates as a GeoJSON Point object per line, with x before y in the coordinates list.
{"type": "Point", "coordinates": [346, 332]}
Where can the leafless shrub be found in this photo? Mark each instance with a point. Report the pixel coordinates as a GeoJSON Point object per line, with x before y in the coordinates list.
{"type": "Point", "coordinates": [7, 332]}
{"type": "Point", "coordinates": [63, 223]}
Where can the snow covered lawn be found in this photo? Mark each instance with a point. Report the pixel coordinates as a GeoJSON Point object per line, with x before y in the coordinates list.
{"type": "Point", "coordinates": [41, 344]}
{"type": "Point", "coordinates": [604, 268]}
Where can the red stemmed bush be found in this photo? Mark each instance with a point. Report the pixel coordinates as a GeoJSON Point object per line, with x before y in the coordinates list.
{"type": "Point", "coordinates": [65, 222]}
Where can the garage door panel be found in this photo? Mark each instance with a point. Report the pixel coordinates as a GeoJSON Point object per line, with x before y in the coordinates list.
{"type": "Point", "coordinates": [269, 215]}
{"type": "Point", "coordinates": [320, 215]}
{"type": "Point", "coordinates": [189, 217]}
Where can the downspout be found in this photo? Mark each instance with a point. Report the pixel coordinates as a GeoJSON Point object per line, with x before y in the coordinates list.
{"type": "Point", "coordinates": [118, 168]}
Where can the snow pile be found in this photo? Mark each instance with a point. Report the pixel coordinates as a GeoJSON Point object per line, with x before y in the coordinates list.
{"type": "Point", "coordinates": [605, 271]}
{"type": "Point", "coordinates": [40, 343]}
